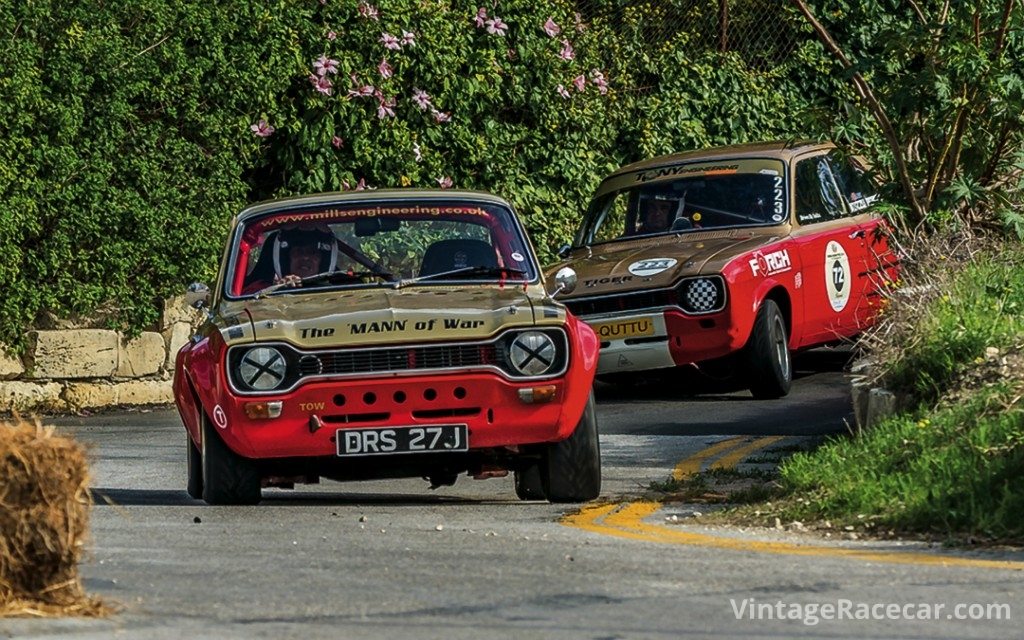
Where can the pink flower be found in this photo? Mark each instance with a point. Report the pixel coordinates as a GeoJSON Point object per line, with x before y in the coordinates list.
{"type": "Point", "coordinates": [416, 153]}
{"type": "Point", "coordinates": [562, 92]}
{"type": "Point", "coordinates": [261, 129]}
{"type": "Point", "coordinates": [580, 82]}
{"type": "Point", "coordinates": [440, 116]}
{"type": "Point", "coordinates": [332, 36]}
{"type": "Point", "coordinates": [481, 15]}
{"type": "Point", "coordinates": [361, 185]}
{"type": "Point", "coordinates": [386, 70]}
{"type": "Point", "coordinates": [322, 84]}
{"type": "Point", "coordinates": [337, 142]}
{"type": "Point", "coordinates": [325, 65]}
{"type": "Point", "coordinates": [599, 81]}
{"type": "Point", "coordinates": [580, 25]}
{"type": "Point", "coordinates": [408, 38]}
{"type": "Point", "coordinates": [386, 108]}
{"type": "Point", "coordinates": [367, 10]}
{"type": "Point", "coordinates": [551, 28]}
{"type": "Point", "coordinates": [445, 182]}
{"type": "Point", "coordinates": [421, 98]}
{"type": "Point", "coordinates": [496, 26]}
{"type": "Point", "coordinates": [364, 91]}
{"type": "Point", "coordinates": [390, 41]}
{"type": "Point", "coordinates": [567, 52]}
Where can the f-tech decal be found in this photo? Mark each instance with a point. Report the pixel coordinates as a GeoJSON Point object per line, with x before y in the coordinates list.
{"type": "Point", "coordinates": [837, 275]}
{"type": "Point", "coordinates": [771, 263]}
{"type": "Point", "coordinates": [653, 266]}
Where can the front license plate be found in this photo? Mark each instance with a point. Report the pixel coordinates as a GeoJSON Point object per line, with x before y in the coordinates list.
{"type": "Point", "coordinates": [371, 442]}
{"type": "Point", "coordinates": [620, 329]}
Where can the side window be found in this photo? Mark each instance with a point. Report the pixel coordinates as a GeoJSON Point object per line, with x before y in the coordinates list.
{"type": "Point", "coordinates": [853, 184]}
{"type": "Point", "coordinates": [817, 198]}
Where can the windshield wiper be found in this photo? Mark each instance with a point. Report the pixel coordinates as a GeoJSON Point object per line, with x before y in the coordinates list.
{"type": "Point", "coordinates": [476, 270]}
{"type": "Point", "coordinates": [325, 276]}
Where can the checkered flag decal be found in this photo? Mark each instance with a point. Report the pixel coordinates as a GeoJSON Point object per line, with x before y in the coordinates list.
{"type": "Point", "coordinates": [701, 295]}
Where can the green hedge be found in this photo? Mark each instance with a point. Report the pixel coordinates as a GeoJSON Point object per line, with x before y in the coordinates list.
{"type": "Point", "coordinates": [126, 136]}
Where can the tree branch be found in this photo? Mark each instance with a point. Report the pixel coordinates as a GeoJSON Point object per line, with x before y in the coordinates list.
{"type": "Point", "coordinates": [864, 89]}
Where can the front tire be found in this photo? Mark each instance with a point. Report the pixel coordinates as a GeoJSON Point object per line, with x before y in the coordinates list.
{"type": "Point", "coordinates": [528, 483]}
{"type": "Point", "coordinates": [228, 478]}
{"type": "Point", "coordinates": [767, 353]}
{"type": "Point", "coordinates": [571, 469]}
{"type": "Point", "coordinates": [194, 464]}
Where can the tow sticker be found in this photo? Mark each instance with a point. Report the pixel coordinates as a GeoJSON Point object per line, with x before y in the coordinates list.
{"type": "Point", "coordinates": [219, 417]}
{"type": "Point", "coordinates": [837, 275]}
{"type": "Point", "coordinates": [644, 268]}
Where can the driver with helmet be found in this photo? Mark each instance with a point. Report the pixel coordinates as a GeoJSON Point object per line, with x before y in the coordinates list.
{"type": "Point", "coordinates": [658, 214]}
{"type": "Point", "coordinates": [291, 255]}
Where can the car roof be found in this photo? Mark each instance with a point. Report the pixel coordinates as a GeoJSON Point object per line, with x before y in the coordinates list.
{"type": "Point", "coordinates": [782, 149]}
{"type": "Point", "coordinates": [369, 195]}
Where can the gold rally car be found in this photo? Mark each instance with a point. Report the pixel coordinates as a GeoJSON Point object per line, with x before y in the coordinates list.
{"type": "Point", "coordinates": [384, 334]}
{"type": "Point", "coordinates": [729, 258]}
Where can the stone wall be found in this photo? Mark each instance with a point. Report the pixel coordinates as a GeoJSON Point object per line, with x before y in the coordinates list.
{"type": "Point", "coordinates": [75, 369]}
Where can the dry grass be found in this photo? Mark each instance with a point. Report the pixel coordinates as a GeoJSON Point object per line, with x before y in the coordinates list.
{"type": "Point", "coordinates": [44, 523]}
{"type": "Point", "coordinates": [930, 263]}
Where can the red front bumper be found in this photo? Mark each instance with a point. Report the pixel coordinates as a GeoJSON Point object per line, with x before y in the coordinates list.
{"type": "Point", "coordinates": [489, 405]}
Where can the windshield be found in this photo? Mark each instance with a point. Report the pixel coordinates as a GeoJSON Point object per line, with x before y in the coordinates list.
{"type": "Point", "coordinates": [365, 245]}
{"type": "Point", "coordinates": [682, 198]}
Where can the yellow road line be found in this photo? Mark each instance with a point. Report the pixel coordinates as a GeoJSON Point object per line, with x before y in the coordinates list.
{"type": "Point", "coordinates": [734, 457]}
{"type": "Point", "coordinates": [626, 521]}
{"type": "Point", "coordinates": [691, 465]}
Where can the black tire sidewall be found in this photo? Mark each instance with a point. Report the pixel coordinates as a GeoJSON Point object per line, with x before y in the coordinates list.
{"type": "Point", "coordinates": [767, 379]}
{"type": "Point", "coordinates": [228, 478]}
{"type": "Point", "coordinates": [194, 467]}
{"type": "Point", "coordinates": [571, 469]}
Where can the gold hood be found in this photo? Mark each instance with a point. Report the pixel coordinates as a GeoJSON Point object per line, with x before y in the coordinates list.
{"type": "Point", "coordinates": [358, 317]}
{"type": "Point", "coordinates": [658, 262]}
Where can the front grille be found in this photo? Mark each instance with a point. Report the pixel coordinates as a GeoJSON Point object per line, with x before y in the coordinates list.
{"type": "Point", "coordinates": [623, 302]}
{"type": "Point", "coordinates": [365, 361]}
{"type": "Point", "coordinates": [695, 295]}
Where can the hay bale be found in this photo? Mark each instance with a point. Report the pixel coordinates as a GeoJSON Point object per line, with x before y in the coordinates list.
{"type": "Point", "coordinates": [44, 522]}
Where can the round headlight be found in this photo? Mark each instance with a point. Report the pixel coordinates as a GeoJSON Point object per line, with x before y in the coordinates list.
{"type": "Point", "coordinates": [262, 368]}
{"type": "Point", "coordinates": [532, 353]}
{"type": "Point", "coordinates": [701, 295]}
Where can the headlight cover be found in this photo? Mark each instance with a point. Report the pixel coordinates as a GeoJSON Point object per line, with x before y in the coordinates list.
{"type": "Point", "coordinates": [532, 353]}
{"type": "Point", "coordinates": [702, 295]}
{"type": "Point", "coordinates": [262, 369]}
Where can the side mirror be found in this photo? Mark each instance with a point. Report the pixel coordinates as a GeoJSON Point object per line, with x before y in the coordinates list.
{"type": "Point", "coordinates": [565, 280]}
{"type": "Point", "coordinates": [197, 295]}
{"type": "Point", "coordinates": [563, 251]}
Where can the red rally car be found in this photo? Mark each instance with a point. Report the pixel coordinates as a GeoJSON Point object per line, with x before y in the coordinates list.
{"type": "Point", "coordinates": [386, 334]}
{"type": "Point", "coordinates": [733, 256]}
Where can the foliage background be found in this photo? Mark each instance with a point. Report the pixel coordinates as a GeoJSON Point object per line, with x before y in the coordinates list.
{"type": "Point", "coordinates": [126, 140]}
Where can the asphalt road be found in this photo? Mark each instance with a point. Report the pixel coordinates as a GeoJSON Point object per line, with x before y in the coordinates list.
{"type": "Point", "coordinates": [394, 559]}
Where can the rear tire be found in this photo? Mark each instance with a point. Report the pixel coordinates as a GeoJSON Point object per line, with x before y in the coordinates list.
{"type": "Point", "coordinates": [528, 483]}
{"type": "Point", "coordinates": [767, 352]}
{"type": "Point", "coordinates": [194, 464]}
{"type": "Point", "coordinates": [228, 478]}
{"type": "Point", "coordinates": [571, 469]}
